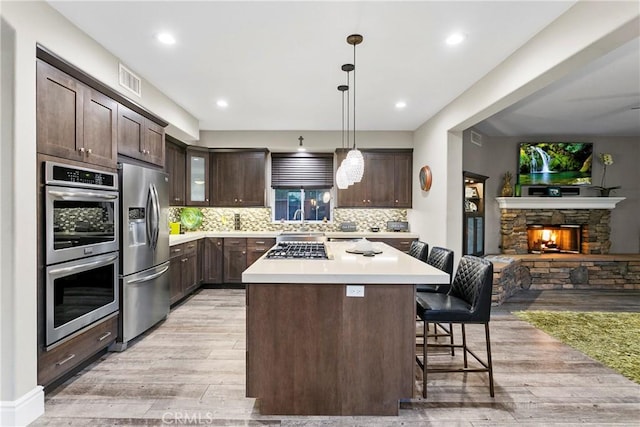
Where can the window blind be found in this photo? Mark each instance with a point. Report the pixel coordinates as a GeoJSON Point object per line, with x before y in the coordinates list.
{"type": "Point", "coordinates": [302, 170]}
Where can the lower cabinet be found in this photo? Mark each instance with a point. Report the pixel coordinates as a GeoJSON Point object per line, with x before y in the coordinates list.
{"type": "Point", "coordinates": [258, 247]}
{"type": "Point", "coordinates": [61, 359]}
{"type": "Point", "coordinates": [235, 259]}
{"type": "Point", "coordinates": [211, 259]}
{"type": "Point", "coordinates": [183, 266]}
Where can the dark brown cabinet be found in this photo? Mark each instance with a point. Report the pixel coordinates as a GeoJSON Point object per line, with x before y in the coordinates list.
{"type": "Point", "coordinates": [139, 137]}
{"type": "Point", "coordinates": [198, 175]}
{"type": "Point", "coordinates": [63, 358]}
{"type": "Point", "coordinates": [175, 167]}
{"type": "Point", "coordinates": [211, 260]}
{"type": "Point", "coordinates": [183, 267]}
{"type": "Point", "coordinates": [238, 178]}
{"type": "Point", "coordinates": [256, 247]}
{"type": "Point", "coordinates": [399, 243]}
{"type": "Point", "coordinates": [235, 259]}
{"type": "Point", "coordinates": [386, 182]}
{"type": "Point", "coordinates": [473, 214]}
{"type": "Point", "coordinates": [74, 121]}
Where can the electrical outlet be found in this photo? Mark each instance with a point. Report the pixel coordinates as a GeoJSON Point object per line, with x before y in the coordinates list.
{"type": "Point", "coordinates": [355, 291]}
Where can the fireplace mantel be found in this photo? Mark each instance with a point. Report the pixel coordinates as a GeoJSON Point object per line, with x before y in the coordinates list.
{"type": "Point", "coordinates": [572, 202]}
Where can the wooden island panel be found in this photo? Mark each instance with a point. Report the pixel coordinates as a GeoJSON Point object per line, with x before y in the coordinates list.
{"type": "Point", "coordinates": [313, 351]}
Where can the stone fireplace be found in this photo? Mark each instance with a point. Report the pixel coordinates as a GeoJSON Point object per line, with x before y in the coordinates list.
{"type": "Point", "coordinates": [523, 218]}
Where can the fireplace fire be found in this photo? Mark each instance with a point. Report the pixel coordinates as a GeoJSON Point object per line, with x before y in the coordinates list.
{"type": "Point", "coordinates": [563, 238]}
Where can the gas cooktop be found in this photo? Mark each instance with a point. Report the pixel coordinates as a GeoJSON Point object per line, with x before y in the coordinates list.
{"type": "Point", "coordinates": [298, 250]}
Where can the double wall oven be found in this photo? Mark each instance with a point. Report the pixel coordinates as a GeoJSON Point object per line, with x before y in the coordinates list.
{"type": "Point", "coordinates": [81, 210]}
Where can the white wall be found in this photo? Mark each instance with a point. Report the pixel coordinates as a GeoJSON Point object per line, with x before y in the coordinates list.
{"type": "Point", "coordinates": [585, 32]}
{"type": "Point", "coordinates": [498, 155]}
{"type": "Point", "coordinates": [319, 141]}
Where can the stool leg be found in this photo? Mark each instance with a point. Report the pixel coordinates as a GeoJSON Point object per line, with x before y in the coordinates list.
{"type": "Point", "coordinates": [453, 350]}
{"type": "Point", "coordinates": [424, 362]}
{"type": "Point", "coordinates": [489, 361]}
{"type": "Point", "coordinates": [464, 345]}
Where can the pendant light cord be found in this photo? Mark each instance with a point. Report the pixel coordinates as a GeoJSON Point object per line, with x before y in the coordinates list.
{"type": "Point", "coordinates": [354, 96]}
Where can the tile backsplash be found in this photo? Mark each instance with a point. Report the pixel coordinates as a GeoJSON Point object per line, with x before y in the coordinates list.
{"type": "Point", "coordinates": [260, 219]}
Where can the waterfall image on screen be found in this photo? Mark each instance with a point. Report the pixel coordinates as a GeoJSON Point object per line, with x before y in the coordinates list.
{"type": "Point", "coordinates": [555, 163]}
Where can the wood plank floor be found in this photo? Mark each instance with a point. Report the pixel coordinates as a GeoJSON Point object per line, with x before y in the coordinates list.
{"type": "Point", "coordinates": [190, 370]}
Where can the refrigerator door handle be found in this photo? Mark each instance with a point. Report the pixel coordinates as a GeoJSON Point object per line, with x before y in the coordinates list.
{"type": "Point", "coordinates": [156, 216]}
{"type": "Point", "coordinates": [149, 277]}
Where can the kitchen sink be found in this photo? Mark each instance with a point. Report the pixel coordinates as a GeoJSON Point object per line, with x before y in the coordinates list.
{"type": "Point", "coordinates": [301, 236]}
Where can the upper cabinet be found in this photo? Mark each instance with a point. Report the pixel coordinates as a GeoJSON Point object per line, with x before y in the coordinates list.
{"type": "Point", "coordinates": [238, 178]}
{"type": "Point", "coordinates": [175, 167]}
{"type": "Point", "coordinates": [198, 187]}
{"type": "Point", "coordinates": [139, 137]}
{"type": "Point", "coordinates": [386, 182]}
{"type": "Point", "coordinates": [74, 121]}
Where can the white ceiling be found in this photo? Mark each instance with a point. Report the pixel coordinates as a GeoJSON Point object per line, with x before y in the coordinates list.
{"type": "Point", "coordinates": [278, 63]}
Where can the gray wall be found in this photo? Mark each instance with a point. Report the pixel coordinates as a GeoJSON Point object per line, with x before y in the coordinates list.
{"type": "Point", "coordinates": [499, 154]}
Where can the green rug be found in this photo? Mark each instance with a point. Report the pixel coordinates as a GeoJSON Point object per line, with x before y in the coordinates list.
{"type": "Point", "coordinates": [610, 338]}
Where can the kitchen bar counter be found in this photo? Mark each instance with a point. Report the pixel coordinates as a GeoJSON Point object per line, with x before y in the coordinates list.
{"type": "Point", "coordinates": [391, 266]}
{"type": "Point", "coordinates": [333, 337]}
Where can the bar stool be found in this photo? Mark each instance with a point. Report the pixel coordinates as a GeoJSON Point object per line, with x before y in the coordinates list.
{"type": "Point", "coordinates": [467, 302]}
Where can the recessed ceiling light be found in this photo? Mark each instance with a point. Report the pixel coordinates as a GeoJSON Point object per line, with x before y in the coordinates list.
{"type": "Point", "coordinates": [401, 104]}
{"type": "Point", "coordinates": [455, 38]}
{"type": "Point", "coordinates": [222, 103]}
{"type": "Point", "coordinates": [166, 38]}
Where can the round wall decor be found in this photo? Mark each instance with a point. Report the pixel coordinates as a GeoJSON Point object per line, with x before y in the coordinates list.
{"type": "Point", "coordinates": [425, 178]}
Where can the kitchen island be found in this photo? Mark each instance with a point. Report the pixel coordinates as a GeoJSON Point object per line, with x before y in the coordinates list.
{"type": "Point", "coordinates": [333, 336]}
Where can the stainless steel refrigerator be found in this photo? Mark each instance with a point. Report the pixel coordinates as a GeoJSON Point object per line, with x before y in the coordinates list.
{"type": "Point", "coordinates": [144, 251]}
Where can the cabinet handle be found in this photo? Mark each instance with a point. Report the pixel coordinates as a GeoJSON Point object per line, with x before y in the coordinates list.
{"type": "Point", "coordinates": [260, 242]}
{"type": "Point", "coordinates": [104, 337]}
{"type": "Point", "coordinates": [396, 201]}
{"type": "Point", "coordinates": [65, 360]}
{"type": "Point", "coordinates": [184, 260]}
{"type": "Point", "coordinates": [364, 201]}
{"type": "Point", "coordinates": [219, 243]}
{"type": "Point", "coordinates": [235, 200]}
{"type": "Point", "coordinates": [89, 151]}
{"type": "Point", "coordinates": [191, 246]}
{"type": "Point", "coordinates": [81, 149]}
{"type": "Point", "coordinates": [177, 250]}
{"type": "Point", "coordinates": [368, 201]}
{"type": "Point", "coordinates": [259, 249]}
{"type": "Point", "coordinates": [244, 252]}
{"type": "Point", "coordinates": [240, 200]}
{"type": "Point", "coordinates": [206, 200]}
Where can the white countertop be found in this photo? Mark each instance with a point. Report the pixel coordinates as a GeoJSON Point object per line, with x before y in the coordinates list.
{"type": "Point", "coordinates": [176, 239]}
{"type": "Point", "coordinates": [390, 267]}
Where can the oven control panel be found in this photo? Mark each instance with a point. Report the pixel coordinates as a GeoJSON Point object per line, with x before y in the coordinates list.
{"type": "Point", "coordinates": [61, 174]}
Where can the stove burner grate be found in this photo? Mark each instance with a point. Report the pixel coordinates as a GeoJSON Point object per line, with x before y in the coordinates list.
{"type": "Point", "coordinates": [298, 250]}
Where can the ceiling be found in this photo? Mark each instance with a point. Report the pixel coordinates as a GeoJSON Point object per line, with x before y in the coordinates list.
{"type": "Point", "coordinates": [277, 64]}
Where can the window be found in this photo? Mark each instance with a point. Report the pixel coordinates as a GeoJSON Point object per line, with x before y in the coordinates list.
{"type": "Point", "coordinates": [295, 204]}
{"type": "Point", "coordinates": [302, 184]}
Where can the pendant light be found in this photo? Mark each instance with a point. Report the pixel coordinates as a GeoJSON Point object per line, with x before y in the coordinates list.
{"type": "Point", "coordinates": [341, 177]}
{"type": "Point", "coordinates": [345, 164]}
{"type": "Point", "coordinates": [354, 162]}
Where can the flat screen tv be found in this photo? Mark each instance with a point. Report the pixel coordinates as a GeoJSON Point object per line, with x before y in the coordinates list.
{"type": "Point", "coordinates": [555, 163]}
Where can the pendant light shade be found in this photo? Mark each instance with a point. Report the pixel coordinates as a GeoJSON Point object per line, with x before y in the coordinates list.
{"type": "Point", "coordinates": [354, 161]}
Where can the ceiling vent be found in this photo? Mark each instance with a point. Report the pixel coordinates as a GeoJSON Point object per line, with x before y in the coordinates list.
{"type": "Point", "coordinates": [130, 81]}
{"type": "Point", "coordinates": [476, 138]}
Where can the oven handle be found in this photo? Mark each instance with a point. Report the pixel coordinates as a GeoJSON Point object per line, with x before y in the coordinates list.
{"type": "Point", "coordinates": [84, 266]}
{"type": "Point", "coordinates": [84, 194]}
{"type": "Point", "coordinates": [149, 277]}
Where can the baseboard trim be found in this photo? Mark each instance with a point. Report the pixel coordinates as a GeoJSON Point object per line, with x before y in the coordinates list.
{"type": "Point", "coordinates": [22, 411]}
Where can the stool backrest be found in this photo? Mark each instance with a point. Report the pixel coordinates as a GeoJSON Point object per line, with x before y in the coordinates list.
{"type": "Point", "coordinates": [419, 249]}
{"type": "Point", "coordinates": [442, 259]}
{"type": "Point", "coordinates": [473, 283]}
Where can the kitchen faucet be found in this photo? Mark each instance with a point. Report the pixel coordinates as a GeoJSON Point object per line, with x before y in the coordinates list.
{"type": "Point", "coordinates": [302, 220]}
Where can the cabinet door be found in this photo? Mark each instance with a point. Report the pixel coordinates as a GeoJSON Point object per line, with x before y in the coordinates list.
{"type": "Point", "coordinates": [379, 179]}
{"type": "Point", "coordinates": [100, 129]}
{"type": "Point", "coordinates": [175, 277]}
{"type": "Point", "coordinates": [131, 127]}
{"type": "Point", "coordinates": [175, 165]}
{"type": "Point", "coordinates": [252, 186]}
{"type": "Point", "coordinates": [354, 195]}
{"type": "Point", "coordinates": [403, 180]}
{"type": "Point", "coordinates": [153, 147]}
{"type": "Point", "coordinates": [235, 259]}
{"type": "Point", "coordinates": [189, 273]}
{"type": "Point", "coordinates": [198, 178]}
{"type": "Point", "coordinates": [212, 258]}
{"type": "Point", "coordinates": [59, 113]}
